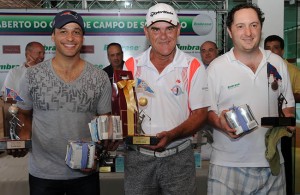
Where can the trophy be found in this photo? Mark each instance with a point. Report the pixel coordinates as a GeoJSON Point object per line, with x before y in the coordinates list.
{"type": "Point", "coordinates": [281, 120]}
{"type": "Point", "coordinates": [140, 138]}
{"type": "Point", "coordinates": [241, 118]}
{"type": "Point", "coordinates": [131, 118]}
{"type": "Point", "coordinates": [273, 80]}
{"type": "Point", "coordinates": [14, 141]}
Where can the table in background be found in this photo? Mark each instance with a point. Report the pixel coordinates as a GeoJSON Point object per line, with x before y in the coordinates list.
{"type": "Point", "coordinates": [14, 178]}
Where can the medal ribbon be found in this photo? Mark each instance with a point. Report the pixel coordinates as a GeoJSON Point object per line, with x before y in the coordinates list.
{"type": "Point", "coordinates": [127, 86]}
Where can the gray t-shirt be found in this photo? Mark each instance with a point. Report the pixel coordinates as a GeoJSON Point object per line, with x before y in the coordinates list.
{"type": "Point", "coordinates": [61, 112]}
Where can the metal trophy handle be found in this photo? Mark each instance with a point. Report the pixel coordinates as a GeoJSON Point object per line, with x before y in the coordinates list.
{"type": "Point", "coordinates": [14, 122]}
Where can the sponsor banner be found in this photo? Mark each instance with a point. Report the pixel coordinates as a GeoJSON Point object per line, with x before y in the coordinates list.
{"type": "Point", "coordinates": [18, 27]}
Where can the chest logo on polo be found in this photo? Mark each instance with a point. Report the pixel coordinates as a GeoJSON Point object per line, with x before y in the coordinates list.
{"type": "Point", "coordinates": [235, 85]}
{"type": "Point", "coordinates": [177, 90]}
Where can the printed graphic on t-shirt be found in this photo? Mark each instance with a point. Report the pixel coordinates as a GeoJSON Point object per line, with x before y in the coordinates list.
{"type": "Point", "coordinates": [51, 93]}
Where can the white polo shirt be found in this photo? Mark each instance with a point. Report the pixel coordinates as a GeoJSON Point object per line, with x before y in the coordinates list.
{"type": "Point", "coordinates": [168, 104]}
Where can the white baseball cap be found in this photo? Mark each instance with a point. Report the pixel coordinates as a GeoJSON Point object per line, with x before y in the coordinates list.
{"type": "Point", "coordinates": [161, 12]}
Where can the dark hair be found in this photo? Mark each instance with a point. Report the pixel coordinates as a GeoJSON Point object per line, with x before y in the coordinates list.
{"type": "Point", "coordinates": [114, 44]}
{"type": "Point", "coordinates": [274, 38]}
{"type": "Point", "coordinates": [231, 13]}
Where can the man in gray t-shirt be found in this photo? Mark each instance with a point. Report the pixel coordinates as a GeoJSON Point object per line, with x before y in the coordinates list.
{"type": "Point", "coordinates": [61, 96]}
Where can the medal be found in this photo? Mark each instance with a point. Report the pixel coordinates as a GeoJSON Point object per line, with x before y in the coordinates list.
{"type": "Point", "coordinates": [274, 85]}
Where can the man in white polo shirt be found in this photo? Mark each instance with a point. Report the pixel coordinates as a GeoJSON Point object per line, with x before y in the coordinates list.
{"type": "Point", "coordinates": [175, 88]}
{"type": "Point", "coordinates": [247, 74]}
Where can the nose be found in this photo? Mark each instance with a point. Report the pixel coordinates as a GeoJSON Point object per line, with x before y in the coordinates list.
{"type": "Point", "coordinates": [248, 31]}
{"type": "Point", "coordinates": [163, 33]}
{"type": "Point", "coordinates": [69, 36]}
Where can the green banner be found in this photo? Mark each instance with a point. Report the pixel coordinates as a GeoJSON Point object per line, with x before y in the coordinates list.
{"type": "Point", "coordinates": [95, 24]}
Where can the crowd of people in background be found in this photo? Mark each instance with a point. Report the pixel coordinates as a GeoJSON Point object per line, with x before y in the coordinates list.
{"type": "Point", "coordinates": [62, 95]}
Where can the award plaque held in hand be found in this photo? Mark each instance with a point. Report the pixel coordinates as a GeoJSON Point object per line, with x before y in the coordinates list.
{"type": "Point", "coordinates": [14, 141]}
{"type": "Point", "coordinates": [281, 120]}
{"type": "Point", "coordinates": [125, 97]}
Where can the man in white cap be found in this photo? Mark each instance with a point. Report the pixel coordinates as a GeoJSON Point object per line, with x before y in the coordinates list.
{"type": "Point", "coordinates": [177, 107]}
{"type": "Point", "coordinates": [61, 96]}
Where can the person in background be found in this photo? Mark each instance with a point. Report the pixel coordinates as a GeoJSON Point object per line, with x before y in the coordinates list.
{"type": "Point", "coordinates": [115, 58]}
{"type": "Point", "coordinates": [275, 44]}
{"type": "Point", "coordinates": [208, 52]}
{"type": "Point", "coordinates": [34, 53]}
{"type": "Point", "coordinates": [61, 96]}
{"type": "Point", "coordinates": [177, 107]}
{"type": "Point", "coordinates": [238, 162]}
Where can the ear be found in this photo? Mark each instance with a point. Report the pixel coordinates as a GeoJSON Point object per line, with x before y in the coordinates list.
{"type": "Point", "coordinates": [178, 29]}
{"type": "Point", "coordinates": [282, 52]}
{"type": "Point", "coordinates": [52, 36]}
{"type": "Point", "coordinates": [229, 32]}
{"type": "Point", "coordinates": [146, 32]}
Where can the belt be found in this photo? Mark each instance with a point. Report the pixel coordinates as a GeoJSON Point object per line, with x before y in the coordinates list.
{"type": "Point", "coordinates": [165, 153]}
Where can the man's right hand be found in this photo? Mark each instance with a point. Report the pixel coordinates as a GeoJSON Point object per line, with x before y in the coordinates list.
{"type": "Point", "coordinates": [225, 127]}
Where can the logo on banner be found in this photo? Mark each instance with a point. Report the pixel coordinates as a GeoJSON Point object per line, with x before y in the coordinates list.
{"type": "Point", "coordinates": [202, 24]}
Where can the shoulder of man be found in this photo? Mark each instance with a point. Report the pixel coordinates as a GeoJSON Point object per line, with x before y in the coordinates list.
{"type": "Point", "coordinates": [108, 68]}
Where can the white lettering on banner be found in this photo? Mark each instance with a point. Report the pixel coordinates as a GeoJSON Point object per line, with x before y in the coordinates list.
{"type": "Point", "coordinates": [101, 29]}
{"type": "Point", "coordinates": [15, 24]}
{"type": "Point", "coordinates": [87, 24]}
{"type": "Point", "coordinates": [41, 24]}
{"type": "Point", "coordinates": [109, 25]}
{"type": "Point", "coordinates": [142, 24]}
{"type": "Point", "coordinates": [132, 25]}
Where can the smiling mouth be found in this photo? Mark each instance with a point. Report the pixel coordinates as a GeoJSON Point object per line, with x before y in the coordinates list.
{"type": "Point", "coordinates": [69, 45]}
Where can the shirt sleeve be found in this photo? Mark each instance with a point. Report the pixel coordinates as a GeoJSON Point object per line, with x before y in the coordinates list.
{"type": "Point", "coordinates": [199, 91]}
{"type": "Point", "coordinates": [24, 93]}
{"type": "Point", "coordinates": [296, 81]}
{"type": "Point", "coordinates": [104, 104]}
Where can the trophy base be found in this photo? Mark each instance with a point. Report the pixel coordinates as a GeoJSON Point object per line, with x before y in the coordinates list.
{"type": "Point", "coordinates": [6, 144]}
{"type": "Point", "coordinates": [141, 140]}
{"type": "Point", "coordinates": [278, 121]}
